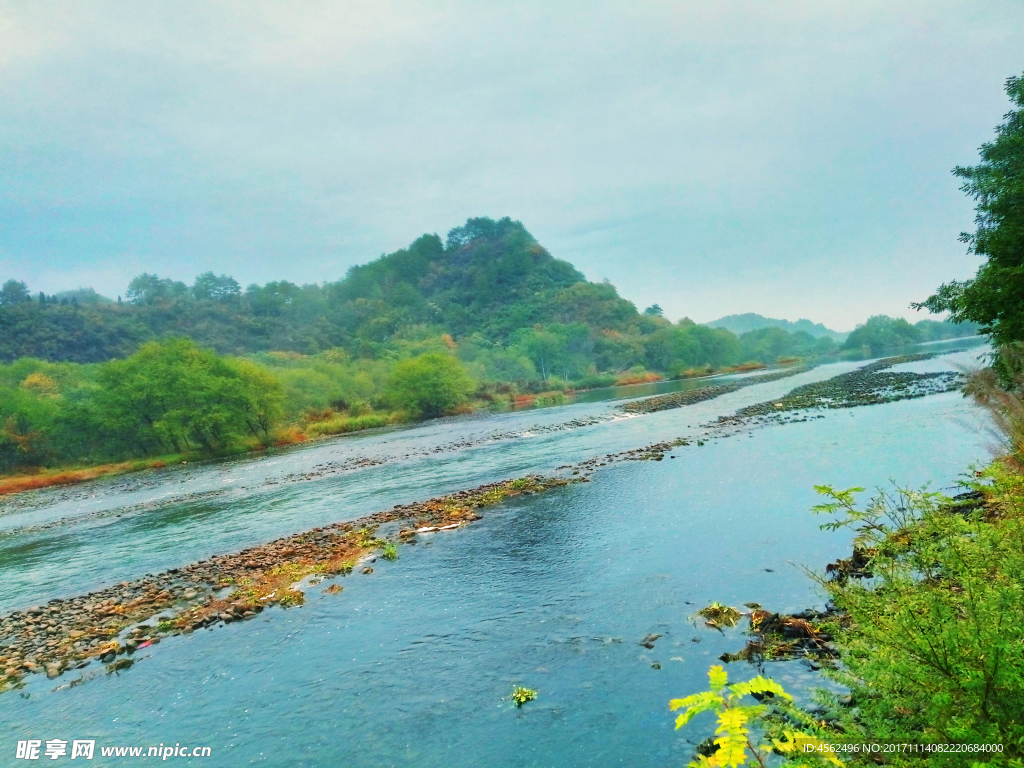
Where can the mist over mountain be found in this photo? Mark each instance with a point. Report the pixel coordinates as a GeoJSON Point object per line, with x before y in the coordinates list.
{"type": "Point", "coordinates": [750, 321]}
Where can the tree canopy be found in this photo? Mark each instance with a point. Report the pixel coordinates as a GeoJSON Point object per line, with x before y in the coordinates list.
{"type": "Point", "coordinates": [995, 296]}
{"type": "Point", "coordinates": [512, 312]}
{"type": "Point", "coordinates": [884, 332]}
{"type": "Point", "coordinates": [428, 385]}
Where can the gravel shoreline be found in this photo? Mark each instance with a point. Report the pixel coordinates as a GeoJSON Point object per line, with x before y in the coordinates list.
{"type": "Point", "coordinates": [72, 633]}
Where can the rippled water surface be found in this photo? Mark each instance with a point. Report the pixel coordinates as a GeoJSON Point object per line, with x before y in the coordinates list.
{"type": "Point", "coordinates": [408, 666]}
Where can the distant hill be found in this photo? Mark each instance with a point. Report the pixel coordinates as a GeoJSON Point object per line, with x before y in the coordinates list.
{"type": "Point", "coordinates": [488, 293]}
{"type": "Point", "coordinates": [749, 321]}
{"type": "Point", "coordinates": [489, 282]}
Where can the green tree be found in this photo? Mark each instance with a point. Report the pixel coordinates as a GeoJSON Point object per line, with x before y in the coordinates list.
{"type": "Point", "coordinates": [14, 292]}
{"type": "Point", "coordinates": [175, 395]}
{"type": "Point", "coordinates": [209, 286]}
{"type": "Point", "coordinates": [428, 385]}
{"type": "Point", "coordinates": [995, 297]}
{"type": "Point", "coordinates": [881, 332]}
{"type": "Point", "coordinates": [546, 350]}
{"type": "Point", "coordinates": [150, 289]}
{"type": "Point", "coordinates": [689, 345]}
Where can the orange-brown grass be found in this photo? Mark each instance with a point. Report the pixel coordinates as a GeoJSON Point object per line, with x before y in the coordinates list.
{"type": "Point", "coordinates": [637, 378]}
{"type": "Point", "coordinates": [693, 373]}
{"type": "Point", "coordinates": [289, 436]}
{"type": "Point", "coordinates": [752, 365]}
{"type": "Point", "coordinates": [25, 482]}
{"type": "Point", "coordinates": [275, 586]}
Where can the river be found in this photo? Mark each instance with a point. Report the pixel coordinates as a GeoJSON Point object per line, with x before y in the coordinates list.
{"type": "Point", "coordinates": [409, 665]}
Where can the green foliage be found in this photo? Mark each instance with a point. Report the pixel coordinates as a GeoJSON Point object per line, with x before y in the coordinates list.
{"type": "Point", "coordinates": [151, 289]}
{"type": "Point", "coordinates": [518, 315]}
{"type": "Point", "coordinates": [390, 551]}
{"type": "Point", "coordinates": [767, 345]}
{"type": "Point", "coordinates": [929, 641]}
{"type": "Point", "coordinates": [428, 385]}
{"type": "Point", "coordinates": [14, 292]}
{"type": "Point", "coordinates": [167, 397]}
{"type": "Point", "coordinates": [673, 349]}
{"type": "Point", "coordinates": [176, 396]}
{"type": "Point", "coordinates": [209, 286]}
{"type": "Point", "coordinates": [934, 651]}
{"type": "Point", "coordinates": [995, 297]}
{"type": "Point", "coordinates": [521, 695]}
{"type": "Point", "coordinates": [883, 332]}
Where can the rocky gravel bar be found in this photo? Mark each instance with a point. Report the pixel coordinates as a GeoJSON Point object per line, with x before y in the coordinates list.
{"type": "Point", "coordinates": [691, 396]}
{"type": "Point", "coordinates": [112, 624]}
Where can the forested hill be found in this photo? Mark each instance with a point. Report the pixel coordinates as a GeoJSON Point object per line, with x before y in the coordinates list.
{"type": "Point", "coordinates": [750, 321]}
{"type": "Point", "coordinates": [489, 279]}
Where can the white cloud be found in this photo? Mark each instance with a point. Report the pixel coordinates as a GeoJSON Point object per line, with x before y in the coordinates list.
{"type": "Point", "coordinates": [710, 157]}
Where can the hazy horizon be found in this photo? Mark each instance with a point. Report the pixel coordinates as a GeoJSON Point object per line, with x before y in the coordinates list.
{"type": "Point", "coordinates": [792, 161]}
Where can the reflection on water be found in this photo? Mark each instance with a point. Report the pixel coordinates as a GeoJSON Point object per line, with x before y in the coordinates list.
{"type": "Point", "coordinates": [408, 666]}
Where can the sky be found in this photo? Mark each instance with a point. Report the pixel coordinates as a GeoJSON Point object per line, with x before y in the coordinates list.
{"type": "Point", "coordinates": [717, 157]}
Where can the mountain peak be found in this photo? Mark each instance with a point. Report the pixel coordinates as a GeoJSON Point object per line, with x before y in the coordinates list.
{"type": "Point", "coordinates": [750, 321]}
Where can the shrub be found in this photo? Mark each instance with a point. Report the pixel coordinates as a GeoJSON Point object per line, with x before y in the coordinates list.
{"type": "Point", "coordinates": [428, 385]}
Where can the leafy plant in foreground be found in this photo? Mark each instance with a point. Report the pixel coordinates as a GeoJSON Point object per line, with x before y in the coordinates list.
{"type": "Point", "coordinates": [933, 652]}
{"type": "Point", "coordinates": [735, 744]}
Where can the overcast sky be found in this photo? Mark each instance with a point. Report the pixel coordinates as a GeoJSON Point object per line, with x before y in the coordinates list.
{"type": "Point", "coordinates": [787, 158]}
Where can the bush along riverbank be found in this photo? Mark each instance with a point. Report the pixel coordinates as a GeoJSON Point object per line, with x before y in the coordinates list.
{"type": "Point", "coordinates": [924, 633]}
{"type": "Point", "coordinates": [924, 629]}
{"type": "Point", "coordinates": [112, 624]}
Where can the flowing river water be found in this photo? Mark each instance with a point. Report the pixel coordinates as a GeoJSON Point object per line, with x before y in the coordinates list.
{"type": "Point", "coordinates": [408, 666]}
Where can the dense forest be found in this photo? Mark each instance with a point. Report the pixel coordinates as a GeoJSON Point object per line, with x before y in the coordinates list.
{"type": "Point", "coordinates": [884, 332]}
{"type": "Point", "coordinates": [516, 312]}
{"type": "Point", "coordinates": [486, 315]}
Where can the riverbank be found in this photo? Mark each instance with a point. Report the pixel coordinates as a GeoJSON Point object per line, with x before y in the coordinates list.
{"type": "Point", "coordinates": [330, 425]}
{"type": "Point", "coordinates": [929, 653]}
{"type": "Point", "coordinates": [48, 478]}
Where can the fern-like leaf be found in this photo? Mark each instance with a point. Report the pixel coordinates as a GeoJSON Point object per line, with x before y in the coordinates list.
{"type": "Point", "coordinates": [758, 685]}
{"type": "Point", "coordinates": [718, 677]}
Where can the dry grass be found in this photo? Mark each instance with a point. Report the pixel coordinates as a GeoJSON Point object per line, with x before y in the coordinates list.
{"type": "Point", "coordinates": [694, 373]}
{"type": "Point", "coordinates": [637, 378]}
{"type": "Point", "coordinates": [338, 424]}
{"type": "Point", "coordinates": [289, 436]}
{"type": "Point", "coordinates": [752, 365]}
{"type": "Point", "coordinates": [1004, 402]}
{"type": "Point", "coordinates": [44, 479]}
